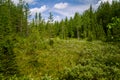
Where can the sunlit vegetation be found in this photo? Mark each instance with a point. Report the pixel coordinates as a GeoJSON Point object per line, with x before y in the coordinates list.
{"type": "Point", "coordinates": [84, 47]}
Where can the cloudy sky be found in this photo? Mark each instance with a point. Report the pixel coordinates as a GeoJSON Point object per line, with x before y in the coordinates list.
{"type": "Point", "coordinates": [60, 8]}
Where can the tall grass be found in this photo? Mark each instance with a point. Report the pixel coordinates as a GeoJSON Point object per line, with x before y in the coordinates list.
{"type": "Point", "coordinates": [56, 59]}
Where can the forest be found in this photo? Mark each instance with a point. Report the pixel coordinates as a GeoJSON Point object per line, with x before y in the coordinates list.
{"type": "Point", "coordinates": [83, 47]}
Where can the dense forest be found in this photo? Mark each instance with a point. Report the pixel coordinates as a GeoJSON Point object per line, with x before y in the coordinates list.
{"type": "Point", "coordinates": [83, 47]}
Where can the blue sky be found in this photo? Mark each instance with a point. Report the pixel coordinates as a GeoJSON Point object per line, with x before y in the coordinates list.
{"type": "Point", "coordinates": [60, 8]}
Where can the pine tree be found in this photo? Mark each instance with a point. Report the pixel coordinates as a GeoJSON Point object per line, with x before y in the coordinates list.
{"type": "Point", "coordinates": [40, 18]}
{"type": "Point", "coordinates": [36, 19]}
{"type": "Point", "coordinates": [104, 14]}
{"type": "Point", "coordinates": [50, 18]}
{"type": "Point", "coordinates": [66, 27]}
{"type": "Point", "coordinates": [50, 22]}
{"type": "Point", "coordinates": [77, 24]}
{"type": "Point", "coordinates": [8, 64]}
{"type": "Point", "coordinates": [26, 19]}
{"type": "Point", "coordinates": [62, 29]}
{"type": "Point", "coordinates": [71, 28]}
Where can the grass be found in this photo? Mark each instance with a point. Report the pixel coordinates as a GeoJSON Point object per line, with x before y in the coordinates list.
{"type": "Point", "coordinates": [54, 59]}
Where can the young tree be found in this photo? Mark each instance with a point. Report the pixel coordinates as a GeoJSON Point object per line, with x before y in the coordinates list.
{"type": "Point", "coordinates": [36, 19]}
{"type": "Point", "coordinates": [50, 22]}
{"type": "Point", "coordinates": [50, 18]}
{"type": "Point", "coordinates": [40, 18]}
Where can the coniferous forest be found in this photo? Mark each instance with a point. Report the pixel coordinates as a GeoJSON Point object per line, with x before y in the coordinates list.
{"type": "Point", "coordinates": [83, 47]}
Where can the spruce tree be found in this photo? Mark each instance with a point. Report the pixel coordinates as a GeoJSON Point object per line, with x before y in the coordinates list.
{"type": "Point", "coordinates": [8, 66]}
{"type": "Point", "coordinates": [50, 22]}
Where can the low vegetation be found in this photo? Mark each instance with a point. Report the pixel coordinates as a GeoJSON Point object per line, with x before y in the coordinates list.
{"type": "Point", "coordinates": [68, 60]}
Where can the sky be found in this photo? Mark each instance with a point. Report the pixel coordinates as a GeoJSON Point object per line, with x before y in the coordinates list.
{"type": "Point", "coordinates": [60, 8]}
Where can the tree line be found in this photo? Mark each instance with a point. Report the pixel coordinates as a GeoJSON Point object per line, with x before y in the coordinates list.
{"type": "Point", "coordinates": [90, 25]}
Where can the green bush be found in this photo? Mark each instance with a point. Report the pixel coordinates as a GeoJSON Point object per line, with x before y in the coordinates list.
{"type": "Point", "coordinates": [95, 65]}
{"type": "Point", "coordinates": [8, 62]}
{"type": "Point", "coordinates": [90, 72]}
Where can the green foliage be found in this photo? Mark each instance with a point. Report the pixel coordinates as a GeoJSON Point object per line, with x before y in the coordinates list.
{"type": "Point", "coordinates": [10, 24]}
{"type": "Point", "coordinates": [42, 50]}
{"type": "Point", "coordinates": [77, 60]}
{"type": "Point", "coordinates": [46, 77]}
{"type": "Point", "coordinates": [8, 65]}
{"type": "Point", "coordinates": [50, 17]}
{"type": "Point", "coordinates": [101, 61]}
{"type": "Point", "coordinates": [91, 25]}
{"type": "Point", "coordinates": [102, 65]}
{"type": "Point", "coordinates": [89, 72]}
{"type": "Point", "coordinates": [114, 30]}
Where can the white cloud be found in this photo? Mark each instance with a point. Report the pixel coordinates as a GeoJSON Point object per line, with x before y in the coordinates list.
{"type": "Point", "coordinates": [38, 10]}
{"type": "Point", "coordinates": [30, 1]}
{"type": "Point", "coordinates": [70, 10]}
{"type": "Point", "coordinates": [35, 10]}
{"type": "Point", "coordinates": [110, 1]}
{"type": "Point", "coordinates": [16, 1]}
{"type": "Point", "coordinates": [27, 1]}
{"type": "Point", "coordinates": [60, 5]}
{"type": "Point", "coordinates": [99, 2]}
{"type": "Point", "coordinates": [57, 18]}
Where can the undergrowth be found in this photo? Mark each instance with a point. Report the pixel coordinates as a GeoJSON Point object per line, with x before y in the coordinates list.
{"type": "Point", "coordinates": [56, 59]}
